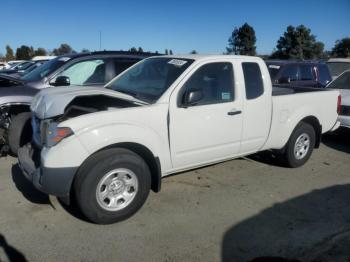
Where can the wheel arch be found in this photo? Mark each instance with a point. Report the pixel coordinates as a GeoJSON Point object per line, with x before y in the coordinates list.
{"type": "Point", "coordinates": [15, 108]}
{"type": "Point", "coordinates": [152, 161]}
{"type": "Point", "coordinates": [315, 123]}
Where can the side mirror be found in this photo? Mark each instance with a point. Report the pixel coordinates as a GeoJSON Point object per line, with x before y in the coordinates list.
{"type": "Point", "coordinates": [61, 81]}
{"type": "Point", "coordinates": [284, 80]}
{"type": "Point", "coordinates": [192, 97]}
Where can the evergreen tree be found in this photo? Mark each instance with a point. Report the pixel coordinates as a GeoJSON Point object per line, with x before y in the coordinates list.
{"type": "Point", "coordinates": [9, 53]}
{"type": "Point", "coordinates": [133, 49]}
{"type": "Point", "coordinates": [40, 52]}
{"type": "Point", "coordinates": [342, 48]}
{"type": "Point", "coordinates": [63, 50]}
{"type": "Point", "coordinates": [24, 53]}
{"type": "Point", "coordinates": [242, 41]}
{"type": "Point", "coordinates": [298, 43]}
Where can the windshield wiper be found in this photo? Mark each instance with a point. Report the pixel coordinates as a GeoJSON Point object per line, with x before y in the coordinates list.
{"type": "Point", "coordinates": [133, 94]}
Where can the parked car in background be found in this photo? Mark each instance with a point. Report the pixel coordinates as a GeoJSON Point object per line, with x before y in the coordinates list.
{"type": "Point", "coordinates": [110, 146]}
{"type": "Point", "coordinates": [20, 71]}
{"type": "Point", "coordinates": [338, 65]}
{"type": "Point", "coordinates": [342, 84]}
{"type": "Point", "coordinates": [18, 68]}
{"type": "Point", "coordinates": [14, 62]}
{"type": "Point", "coordinates": [4, 65]}
{"type": "Point", "coordinates": [43, 58]}
{"type": "Point", "coordinates": [310, 74]}
{"type": "Point", "coordinates": [95, 68]}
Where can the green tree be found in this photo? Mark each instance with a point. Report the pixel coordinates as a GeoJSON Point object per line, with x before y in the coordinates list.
{"type": "Point", "coordinates": [133, 49]}
{"type": "Point", "coordinates": [166, 52]}
{"type": "Point", "coordinates": [193, 52]}
{"type": "Point", "coordinates": [298, 43]}
{"type": "Point", "coordinates": [242, 41]}
{"type": "Point", "coordinates": [40, 52]}
{"type": "Point", "coordinates": [9, 53]}
{"type": "Point", "coordinates": [170, 52]}
{"type": "Point", "coordinates": [85, 50]}
{"type": "Point", "coordinates": [63, 50]}
{"type": "Point", "coordinates": [24, 52]}
{"type": "Point", "coordinates": [342, 48]}
{"type": "Point", "coordinates": [140, 50]}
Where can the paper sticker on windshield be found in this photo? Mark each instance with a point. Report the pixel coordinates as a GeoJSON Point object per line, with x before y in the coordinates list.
{"type": "Point", "coordinates": [274, 66]}
{"type": "Point", "coordinates": [177, 62]}
{"type": "Point", "coordinates": [64, 59]}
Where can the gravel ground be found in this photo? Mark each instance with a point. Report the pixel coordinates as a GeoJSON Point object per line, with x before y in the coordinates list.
{"type": "Point", "coordinates": [240, 210]}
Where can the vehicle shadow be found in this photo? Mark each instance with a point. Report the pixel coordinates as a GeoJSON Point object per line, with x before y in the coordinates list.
{"type": "Point", "coordinates": [268, 158]}
{"type": "Point", "coordinates": [338, 140]}
{"type": "Point", "coordinates": [73, 209]}
{"type": "Point", "coordinates": [311, 227]}
{"type": "Point", "coordinates": [37, 197]}
{"type": "Point", "coordinates": [12, 253]}
{"type": "Point", "coordinates": [26, 187]}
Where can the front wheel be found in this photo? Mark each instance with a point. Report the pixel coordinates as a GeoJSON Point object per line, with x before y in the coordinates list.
{"type": "Point", "coordinates": [112, 185]}
{"type": "Point", "coordinates": [300, 145]}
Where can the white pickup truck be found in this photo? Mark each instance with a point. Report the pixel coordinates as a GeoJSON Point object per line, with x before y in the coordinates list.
{"type": "Point", "coordinates": [164, 115]}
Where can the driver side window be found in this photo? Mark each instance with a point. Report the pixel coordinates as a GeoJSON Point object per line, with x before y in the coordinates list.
{"type": "Point", "coordinates": [87, 72]}
{"type": "Point", "coordinates": [214, 81]}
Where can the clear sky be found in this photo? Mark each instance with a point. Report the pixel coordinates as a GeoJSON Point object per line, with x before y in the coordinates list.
{"type": "Point", "coordinates": [155, 25]}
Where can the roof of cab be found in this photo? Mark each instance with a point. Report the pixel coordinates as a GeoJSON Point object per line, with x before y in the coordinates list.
{"type": "Point", "coordinates": [123, 53]}
{"type": "Point", "coordinates": [197, 57]}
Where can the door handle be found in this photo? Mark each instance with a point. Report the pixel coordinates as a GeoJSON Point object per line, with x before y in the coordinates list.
{"type": "Point", "coordinates": [234, 112]}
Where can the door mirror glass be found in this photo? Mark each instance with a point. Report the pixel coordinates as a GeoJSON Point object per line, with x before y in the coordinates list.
{"type": "Point", "coordinates": [192, 97]}
{"type": "Point", "coordinates": [61, 81]}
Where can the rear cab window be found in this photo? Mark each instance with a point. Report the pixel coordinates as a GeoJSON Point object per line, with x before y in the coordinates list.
{"type": "Point", "coordinates": [254, 86]}
{"type": "Point", "coordinates": [306, 72]}
{"type": "Point", "coordinates": [324, 75]}
{"type": "Point", "coordinates": [290, 71]}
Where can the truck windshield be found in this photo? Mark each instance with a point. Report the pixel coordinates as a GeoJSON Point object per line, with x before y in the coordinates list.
{"type": "Point", "coordinates": [44, 70]}
{"type": "Point", "coordinates": [150, 78]}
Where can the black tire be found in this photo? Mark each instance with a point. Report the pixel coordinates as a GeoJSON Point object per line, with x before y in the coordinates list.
{"type": "Point", "coordinates": [20, 131]}
{"type": "Point", "coordinates": [289, 154]}
{"type": "Point", "coordinates": [95, 169]}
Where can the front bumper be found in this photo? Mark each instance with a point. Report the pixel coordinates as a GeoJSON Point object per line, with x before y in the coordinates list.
{"type": "Point", "coordinates": [52, 181]}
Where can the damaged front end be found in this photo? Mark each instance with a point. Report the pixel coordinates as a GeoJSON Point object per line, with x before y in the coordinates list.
{"type": "Point", "coordinates": [46, 131]}
{"type": "Point", "coordinates": [5, 121]}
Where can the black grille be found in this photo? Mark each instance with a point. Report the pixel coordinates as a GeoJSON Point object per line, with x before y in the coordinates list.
{"type": "Point", "coordinates": [345, 110]}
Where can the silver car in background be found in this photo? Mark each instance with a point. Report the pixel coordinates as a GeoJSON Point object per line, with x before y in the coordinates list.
{"type": "Point", "coordinates": [342, 83]}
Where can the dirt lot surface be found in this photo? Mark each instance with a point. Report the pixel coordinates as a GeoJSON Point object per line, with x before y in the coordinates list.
{"type": "Point", "coordinates": [239, 210]}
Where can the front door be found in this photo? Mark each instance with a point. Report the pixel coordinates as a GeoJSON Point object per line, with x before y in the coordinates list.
{"type": "Point", "coordinates": [210, 129]}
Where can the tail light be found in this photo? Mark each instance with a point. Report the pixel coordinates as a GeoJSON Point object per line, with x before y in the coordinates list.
{"type": "Point", "coordinates": [339, 104]}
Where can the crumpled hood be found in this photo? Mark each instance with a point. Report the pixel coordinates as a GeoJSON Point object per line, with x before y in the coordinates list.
{"type": "Point", "coordinates": [17, 94]}
{"type": "Point", "coordinates": [52, 102]}
{"type": "Point", "coordinates": [6, 79]}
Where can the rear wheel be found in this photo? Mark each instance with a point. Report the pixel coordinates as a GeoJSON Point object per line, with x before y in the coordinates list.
{"type": "Point", "coordinates": [300, 145]}
{"type": "Point", "coordinates": [112, 185]}
{"type": "Point", "coordinates": [19, 132]}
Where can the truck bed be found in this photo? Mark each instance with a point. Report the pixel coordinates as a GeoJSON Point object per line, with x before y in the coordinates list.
{"type": "Point", "coordinates": [279, 90]}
